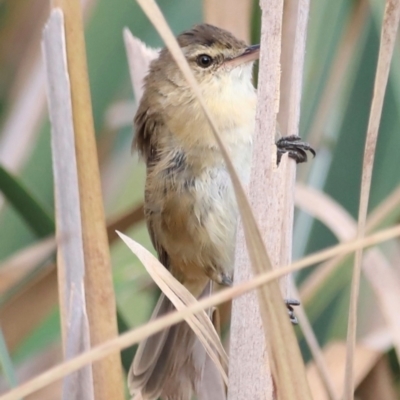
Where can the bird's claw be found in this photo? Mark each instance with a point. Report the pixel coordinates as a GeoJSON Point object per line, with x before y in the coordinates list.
{"type": "Point", "coordinates": [225, 280]}
{"type": "Point", "coordinates": [295, 147]}
{"type": "Point", "coordinates": [290, 303]}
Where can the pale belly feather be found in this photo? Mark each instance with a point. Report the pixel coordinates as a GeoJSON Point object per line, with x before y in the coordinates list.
{"type": "Point", "coordinates": [195, 219]}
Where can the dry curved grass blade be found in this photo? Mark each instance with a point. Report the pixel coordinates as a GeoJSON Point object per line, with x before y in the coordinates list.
{"type": "Point", "coordinates": [136, 335]}
{"type": "Point", "coordinates": [344, 227]}
{"type": "Point", "coordinates": [388, 208]}
{"type": "Point", "coordinates": [388, 38]}
{"type": "Point", "coordinates": [181, 298]}
{"type": "Point", "coordinates": [327, 210]}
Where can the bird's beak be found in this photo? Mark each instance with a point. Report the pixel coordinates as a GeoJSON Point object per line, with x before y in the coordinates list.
{"type": "Point", "coordinates": [251, 53]}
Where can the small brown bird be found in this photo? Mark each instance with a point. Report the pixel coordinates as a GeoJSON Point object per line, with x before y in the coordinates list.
{"type": "Point", "coordinates": [190, 206]}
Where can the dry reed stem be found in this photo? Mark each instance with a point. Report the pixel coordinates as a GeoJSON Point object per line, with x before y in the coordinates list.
{"type": "Point", "coordinates": [297, 17]}
{"type": "Point", "coordinates": [70, 260]}
{"type": "Point", "coordinates": [297, 67]}
{"type": "Point", "coordinates": [388, 38]}
{"type": "Point", "coordinates": [271, 191]}
{"type": "Point", "coordinates": [250, 372]}
{"type": "Point", "coordinates": [289, 23]}
{"type": "Point", "coordinates": [234, 19]}
{"type": "Point", "coordinates": [135, 336]}
{"type": "Point", "coordinates": [100, 300]}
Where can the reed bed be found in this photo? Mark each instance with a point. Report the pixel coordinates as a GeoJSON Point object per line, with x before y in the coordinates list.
{"type": "Point", "coordinates": [78, 275]}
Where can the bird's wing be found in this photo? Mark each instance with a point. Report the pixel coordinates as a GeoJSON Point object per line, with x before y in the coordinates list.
{"type": "Point", "coordinates": [162, 254]}
{"type": "Point", "coordinates": [145, 141]}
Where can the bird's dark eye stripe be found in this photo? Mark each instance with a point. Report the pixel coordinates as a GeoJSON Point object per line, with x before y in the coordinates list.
{"type": "Point", "coordinates": [204, 60]}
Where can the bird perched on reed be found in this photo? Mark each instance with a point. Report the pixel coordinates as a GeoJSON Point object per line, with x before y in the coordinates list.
{"type": "Point", "coordinates": [190, 206]}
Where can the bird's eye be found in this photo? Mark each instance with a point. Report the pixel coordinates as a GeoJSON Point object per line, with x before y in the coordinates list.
{"type": "Point", "coordinates": [204, 60]}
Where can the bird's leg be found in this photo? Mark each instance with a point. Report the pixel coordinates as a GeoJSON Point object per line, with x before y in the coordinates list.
{"type": "Point", "coordinates": [295, 147]}
{"type": "Point", "coordinates": [297, 150]}
{"type": "Point", "coordinates": [290, 303]}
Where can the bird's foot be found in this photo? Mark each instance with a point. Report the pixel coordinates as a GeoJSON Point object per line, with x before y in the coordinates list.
{"type": "Point", "coordinates": [290, 303]}
{"type": "Point", "coordinates": [222, 279]}
{"type": "Point", "coordinates": [295, 147]}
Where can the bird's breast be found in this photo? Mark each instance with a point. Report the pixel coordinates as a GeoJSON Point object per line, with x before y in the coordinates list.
{"type": "Point", "coordinates": [190, 200]}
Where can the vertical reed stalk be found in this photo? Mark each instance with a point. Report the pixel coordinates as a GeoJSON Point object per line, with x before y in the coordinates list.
{"type": "Point", "coordinates": [101, 308]}
{"type": "Point", "coordinates": [388, 37]}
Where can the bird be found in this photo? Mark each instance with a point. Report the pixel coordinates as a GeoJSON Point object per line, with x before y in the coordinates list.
{"type": "Point", "coordinates": [189, 202]}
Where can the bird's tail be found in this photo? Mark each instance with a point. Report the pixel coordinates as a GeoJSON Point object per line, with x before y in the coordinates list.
{"type": "Point", "coordinates": [170, 363]}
